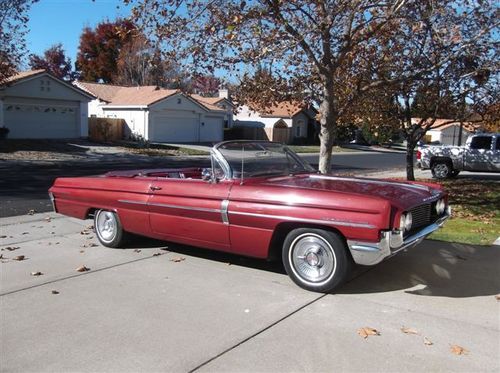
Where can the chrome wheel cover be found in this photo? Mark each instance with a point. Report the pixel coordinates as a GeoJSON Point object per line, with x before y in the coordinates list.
{"type": "Point", "coordinates": [441, 170]}
{"type": "Point", "coordinates": [106, 225]}
{"type": "Point", "coordinates": [312, 259]}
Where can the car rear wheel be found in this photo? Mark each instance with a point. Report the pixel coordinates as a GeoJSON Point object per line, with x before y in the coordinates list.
{"type": "Point", "coordinates": [441, 170]}
{"type": "Point", "coordinates": [316, 259]}
{"type": "Point", "coordinates": [109, 229]}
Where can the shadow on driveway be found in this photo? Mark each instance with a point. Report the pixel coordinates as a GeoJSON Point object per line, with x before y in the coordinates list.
{"type": "Point", "coordinates": [434, 268]}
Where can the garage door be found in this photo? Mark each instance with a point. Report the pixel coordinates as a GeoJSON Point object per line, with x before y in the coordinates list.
{"type": "Point", "coordinates": [212, 129]}
{"type": "Point", "coordinates": [41, 121]}
{"type": "Point", "coordinates": [173, 129]}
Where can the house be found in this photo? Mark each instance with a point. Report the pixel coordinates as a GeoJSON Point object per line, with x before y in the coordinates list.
{"type": "Point", "coordinates": [286, 122]}
{"type": "Point", "coordinates": [37, 105]}
{"type": "Point", "coordinates": [158, 114]}
{"type": "Point", "coordinates": [447, 131]}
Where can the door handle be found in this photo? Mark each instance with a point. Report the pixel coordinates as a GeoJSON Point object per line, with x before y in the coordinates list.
{"type": "Point", "coordinates": [154, 187]}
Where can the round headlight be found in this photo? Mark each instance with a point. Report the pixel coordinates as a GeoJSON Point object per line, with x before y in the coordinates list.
{"type": "Point", "coordinates": [408, 221]}
{"type": "Point", "coordinates": [405, 221]}
{"type": "Point", "coordinates": [440, 207]}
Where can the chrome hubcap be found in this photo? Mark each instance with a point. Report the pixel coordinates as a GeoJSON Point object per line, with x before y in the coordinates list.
{"type": "Point", "coordinates": [441, 170]}
{"type": "Point", "coordinates": [312, 258]}
{"type": "Point", "coordinates": [106, 225]}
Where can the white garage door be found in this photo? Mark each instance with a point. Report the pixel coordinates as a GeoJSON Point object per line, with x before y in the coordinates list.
{"type": "Point", "coordinates": [32, 121]}
{"type": "Point", "coordinates": [165, 128]}
{"type": "Point", "coordinates": [41, 121]}
{"type": "Point", "coordinates": [212, 129]}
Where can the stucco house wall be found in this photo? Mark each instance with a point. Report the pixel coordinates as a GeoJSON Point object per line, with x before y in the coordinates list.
{"type": "Point", "coordinates": [35, 104]}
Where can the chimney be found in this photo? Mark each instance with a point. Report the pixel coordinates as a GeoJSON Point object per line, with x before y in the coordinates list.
{"type": "Point", "coordinates": [223, 93]}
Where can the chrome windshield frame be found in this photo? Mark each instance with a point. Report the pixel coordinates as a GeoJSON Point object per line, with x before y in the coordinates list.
{"type": "Point", "coordinates": [219, 157]}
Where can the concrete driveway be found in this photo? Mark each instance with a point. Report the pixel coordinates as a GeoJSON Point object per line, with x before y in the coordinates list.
{"type": "Point", "coordinates": [163, 307]}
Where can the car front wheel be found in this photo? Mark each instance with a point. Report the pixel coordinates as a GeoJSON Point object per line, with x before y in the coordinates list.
{"type": "Point", "coordinates": [441, 170]}
{"type": "Point", "coordinates": [109, 229]}
{"type": "Point", "coordinates": [316, 259]}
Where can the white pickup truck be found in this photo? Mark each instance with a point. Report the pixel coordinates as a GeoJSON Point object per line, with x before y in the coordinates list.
{"type": "Point", "coordinates": [480, 153]}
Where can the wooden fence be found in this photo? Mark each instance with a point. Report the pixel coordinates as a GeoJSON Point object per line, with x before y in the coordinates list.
{"type": "Point", "coordinates": [106, 129]}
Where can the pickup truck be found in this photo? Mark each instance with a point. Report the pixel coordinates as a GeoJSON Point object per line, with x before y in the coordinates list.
{"type": "Point", "coordinates": [480, 153]}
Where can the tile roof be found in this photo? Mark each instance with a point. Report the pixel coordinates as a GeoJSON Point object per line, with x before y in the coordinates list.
{"type": "Point", "coordinates": [286, 109]}
{"type": "Point", "coordinates": [127, 96]}
{"type": "Point", "coordinates": [441, 124]}
{"type": "Point", "coordinates": [208, 102]}
{"type": "Point", "coordinates": [23, 74]}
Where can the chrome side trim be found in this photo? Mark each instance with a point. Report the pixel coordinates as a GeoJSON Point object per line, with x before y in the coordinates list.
{"type": "Point", "coordinates": [133, 202]}
{"type": "Point", "coordinates": [171, 206]}
{"type": "Point", "coordinates": [314, 221]}
{"type": "Point", "coordinates": [223, 211]}
{"type": "Point", "coordinates": [370, 253]}
{"type": "Point", "coordinates": [202, 209]}
{"type": "Point", "coordinates": [370, 181]}
{"type": "Point", "coordinates": [53, 201]}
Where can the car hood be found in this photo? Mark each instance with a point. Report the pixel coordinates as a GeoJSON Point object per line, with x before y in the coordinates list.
{"type": "Point", "coordinates": [401, 194]}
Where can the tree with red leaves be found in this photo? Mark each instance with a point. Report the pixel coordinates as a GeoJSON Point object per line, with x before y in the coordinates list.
{"type": "Point", "coordinates": [100, 49]}
{"type": "Point", "coordinates": [206, 85]}
{"type": "Point", "coordinates": [54, 61]}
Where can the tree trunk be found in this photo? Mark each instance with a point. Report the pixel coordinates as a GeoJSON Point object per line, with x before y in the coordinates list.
{"type": "Point", "coordinates": [328, 122]}
{"type": "Point", "coordinates": [410, 146]}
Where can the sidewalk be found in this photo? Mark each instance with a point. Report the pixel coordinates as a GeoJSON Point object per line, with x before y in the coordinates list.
{"type": "Point", "coordinates": [141, 309]}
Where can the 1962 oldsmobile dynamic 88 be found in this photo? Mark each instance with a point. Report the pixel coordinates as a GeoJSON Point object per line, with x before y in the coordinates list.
{"type": "Point", "coordinates": [260, 199]}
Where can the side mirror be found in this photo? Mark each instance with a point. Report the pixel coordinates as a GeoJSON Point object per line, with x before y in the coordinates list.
{"type": "Point", "coordinates": [206, 174]}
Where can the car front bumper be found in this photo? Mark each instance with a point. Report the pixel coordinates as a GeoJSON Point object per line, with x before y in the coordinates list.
{"type": "Point", "coordinates": [391, 242]}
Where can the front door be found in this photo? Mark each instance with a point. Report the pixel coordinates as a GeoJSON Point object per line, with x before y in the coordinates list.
{"type": "Point", "coordinates": [192, 211]}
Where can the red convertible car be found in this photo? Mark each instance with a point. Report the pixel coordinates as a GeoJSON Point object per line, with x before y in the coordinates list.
{"type": "Point", "coordinates": [260, 199]}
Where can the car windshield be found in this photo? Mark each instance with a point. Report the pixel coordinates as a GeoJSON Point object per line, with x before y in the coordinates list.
{"type": "Point", "coordinates": [261, 158]}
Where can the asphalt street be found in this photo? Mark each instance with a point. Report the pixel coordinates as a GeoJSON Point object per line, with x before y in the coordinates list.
{"type": "Point", "coordinates": [161, 307]}
{"type": "Point", "coordinates": [24, 185]}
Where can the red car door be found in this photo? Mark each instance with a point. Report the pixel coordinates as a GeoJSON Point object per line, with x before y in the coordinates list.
{"type": "Point", "coordinates": [190, 211]}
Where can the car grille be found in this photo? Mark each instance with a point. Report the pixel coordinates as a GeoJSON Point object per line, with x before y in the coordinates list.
{"type": "Point", "coordinates": [421, 216]}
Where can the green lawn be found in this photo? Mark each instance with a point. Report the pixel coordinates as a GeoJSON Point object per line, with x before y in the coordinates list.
{"type": "Point", "coordinates": [315, 149]}
{"type": "Point", "coordinates": [475, 212]}
{"type": "Point", "coordinates": [158, 150]}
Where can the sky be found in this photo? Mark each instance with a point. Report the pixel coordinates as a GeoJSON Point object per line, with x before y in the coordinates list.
{"type": "Point", "coordinates": [62, 21]}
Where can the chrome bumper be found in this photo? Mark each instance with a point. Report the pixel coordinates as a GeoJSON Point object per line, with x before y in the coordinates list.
{"type": "Point", "coordinates": [391, 242]}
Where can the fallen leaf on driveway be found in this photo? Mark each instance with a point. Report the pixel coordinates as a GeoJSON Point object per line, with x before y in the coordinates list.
{"type": "Point", "coordinates": [458, 350]}
{"type": "Point", "coordinates": [82, 269]}
{"type": "Point", "coordinates": [177, 260]}
{"type": "Point", "coordinates": [497, 297]}
{"type": "Point", "coordinates": [48, 219]}
{"type": "Point", "coordinates": [19, 258]}
{"type": "Point", "coordinates": [12, 248]}
{"type": "Point", "coordinates": [55, 292]}
{"type": "Point", "coordinates": [409, 330]}
{"type": "Point", "coordinates": [3, 236]}
{"type": "Point", "coordinates": [37, 273]}
{"type": "Point", "coordinates": [89, 227]}
{"type": "Point", "coordinates": [137, 251]}
{"type": "Point", "coordinates": [31, 212]}
{"type": "Point", "coordinates": [157, 254]}
{"type": "Point", "coordinates": [84, 232]}
{"type": "Point", "coordinates": [25, 233]}
{"type": "Point", "coordinates": [82, 251]}
{"type": "Point", "coordinates": [366, 331]}
{"type": "Point", "coordinates": [427, 342]}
